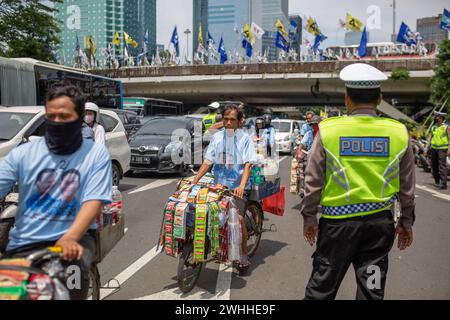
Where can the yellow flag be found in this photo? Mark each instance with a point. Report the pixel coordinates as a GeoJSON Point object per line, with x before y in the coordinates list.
{"type": "Point", "coordinates": [116, 40]}
{"type": "Point", "coordinates": [200, 34]}
{"type": "Point", "coordinates": [353, 23]}
{"type": "Point", "coordinates": [129, 40]}
{"type": "Point", "coordinates": [281, 28]}
{"type": "Point", "coordinates": [323, 114]}
{"type": "Point", "coordinates": [312, 27]}
{"type": "Point", "coordinates": [248, 34]}
{"type": "Point", "coordinates": [91, 44]}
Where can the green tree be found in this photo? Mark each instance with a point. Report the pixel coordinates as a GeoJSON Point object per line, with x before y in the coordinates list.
{"type": "Point", "coordinates": [27, 29]}
{"type": "Point", "coordinates": [440, 83]}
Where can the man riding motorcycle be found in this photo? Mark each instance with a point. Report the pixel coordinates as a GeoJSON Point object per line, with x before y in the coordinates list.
{"type": "Point", "coordinates": [63, 182]}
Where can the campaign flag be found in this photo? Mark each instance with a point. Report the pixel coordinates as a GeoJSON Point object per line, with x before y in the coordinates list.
{"type": "Point", "coordinates": [312, 27]}
{"type": "Point", "coordinates": [317, 40]}
{"type": "Point", "coordinates": [129, 40]}
{"type": "Point", "coordinates": [293, 30]}
{"type": "Point", "coordinates": [222, 51]}
{"type": "Point", "coordinates": [280, 28]}
{"type": "Point", "coordinates": [116, 40]}
{"type": "Point", "coordinates": [405, 35]}
{"type": "Point", "coordinates": [175, 41]}
{"type": "Point", "coordinates": [445, 21]}
{"type": "Point", "coordinates": [362, 50]}
{"type": "Point", "coordinates": [281, 42]}
{"type": "Point", "coordinates": [257, 30]}
{"type": "Point", "coordinates": [353, 23]}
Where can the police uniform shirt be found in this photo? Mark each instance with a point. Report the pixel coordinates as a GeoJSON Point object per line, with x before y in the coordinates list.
{"type": "Point", "coordinates": [315, 181]}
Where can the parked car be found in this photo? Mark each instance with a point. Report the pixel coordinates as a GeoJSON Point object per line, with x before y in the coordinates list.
{"type": "Point", "coordinates": [22, 124]}
{"type": "Point", "coordinates": [130, 120]}
{"type": "Point", "coordinates": [284, 129]}
{"type": "Point", "coordinates": [153, 145]}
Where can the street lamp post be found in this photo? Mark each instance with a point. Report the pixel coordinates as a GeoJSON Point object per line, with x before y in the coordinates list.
{"type": "Point", "coordinates": [187, 32]}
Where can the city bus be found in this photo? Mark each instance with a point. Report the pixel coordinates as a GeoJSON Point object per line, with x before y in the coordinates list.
{"type": "Point", "coordinates": [25, 82]}
{"type": "Point", "coordinates": [148, 107]}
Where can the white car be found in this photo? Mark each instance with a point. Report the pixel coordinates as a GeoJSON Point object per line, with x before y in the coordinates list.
{"type": "Point", "coordinates": [284, 128]}
{"type": "Point", "coordinates": [22, 124]}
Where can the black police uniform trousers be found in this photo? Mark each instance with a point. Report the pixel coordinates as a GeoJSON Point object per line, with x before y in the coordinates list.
{"type": "Point", "coordinates": [363, 242]}
{"type": "Point", "coordinates": [439, 166]}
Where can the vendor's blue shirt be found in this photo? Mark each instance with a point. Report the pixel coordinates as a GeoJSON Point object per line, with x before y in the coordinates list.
{"type": "Point", "coordinates": [229, 154]}
{"type": "Point", "coordinates": [305, 128]}
{"type": "Point", "coordinates": [308, 140]}
{"type": "Point", "coordinates": [52, 188]}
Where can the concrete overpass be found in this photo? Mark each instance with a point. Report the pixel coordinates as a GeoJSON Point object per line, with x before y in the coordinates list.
{"type": "Point", "coordinates": [294, 83]}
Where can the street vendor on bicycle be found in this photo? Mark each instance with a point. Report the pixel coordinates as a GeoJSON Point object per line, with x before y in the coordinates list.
{"type": "Point", "coordinates": [230, 155]}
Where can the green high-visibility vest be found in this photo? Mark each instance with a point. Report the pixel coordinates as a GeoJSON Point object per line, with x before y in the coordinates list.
{"type": "Point", "coordinates": [439, 139]}
{"type": "Point", "coordinates": [209, 120]}
{"type": "Point", "coordinates": [363, 155]}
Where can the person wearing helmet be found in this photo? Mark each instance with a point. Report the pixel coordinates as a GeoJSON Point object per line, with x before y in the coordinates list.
{"type": "Point", "coordinates": [92, 119]}
{"type": "Point", "coordinates": [210, 118]}
{"type": "Point", "coordinates": [269, 134]}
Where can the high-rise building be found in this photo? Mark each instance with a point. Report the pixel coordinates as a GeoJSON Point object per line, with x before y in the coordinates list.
{"type": "Point", "coordinates": [101, 19]}
{"type": "Point", "coordinates": [272, 10]}
{"type": "Point", "coordinates": [226, 19]}
{"type": "Point", "coordinates": [140, 17]}
{"type": "Point", "coordinates": [200, 17]}
{"type": "Point", "coordinates": [430, 30]}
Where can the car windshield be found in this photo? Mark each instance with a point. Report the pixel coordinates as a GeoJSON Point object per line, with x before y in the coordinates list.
{"type": "Point", "coordinates": [281, 126]}
{"type": "Point", "coordinates": [162, 126]}
{"type": "Point", "coordinates": [12, 122]}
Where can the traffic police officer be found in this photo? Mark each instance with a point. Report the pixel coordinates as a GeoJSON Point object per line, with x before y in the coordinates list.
{"type": "Point", "coordinates": [210, 118]}
{"type": "Point", "coordinates": [440, 136]}
{"type": "Point", "coordinates": [357, 167]}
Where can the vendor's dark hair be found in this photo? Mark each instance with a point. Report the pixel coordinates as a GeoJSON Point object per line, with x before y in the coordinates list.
{"type": "Point", "coordinates": [70, 91]}
{"type": "Point", "coordinates": [233, 107]}
{"type": "Point", "coordinates": [364, 95]}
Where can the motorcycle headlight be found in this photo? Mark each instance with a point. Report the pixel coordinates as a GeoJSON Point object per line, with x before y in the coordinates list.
{"type": "Point", "coordinates": [172, 146]}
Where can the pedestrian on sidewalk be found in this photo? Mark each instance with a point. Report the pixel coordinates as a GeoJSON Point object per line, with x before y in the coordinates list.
{"type": "Point", "coordinates": [357, 167]}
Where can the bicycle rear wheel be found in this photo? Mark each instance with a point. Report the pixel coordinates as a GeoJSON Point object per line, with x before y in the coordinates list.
{"type": "Point", "coordinates": [253, 221]}
{"type": "Point", "coordinates": [188, 271]}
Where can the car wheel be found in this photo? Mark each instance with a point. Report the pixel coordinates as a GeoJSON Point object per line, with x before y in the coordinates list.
{"type": "Point", "coordinates": [115, 175]}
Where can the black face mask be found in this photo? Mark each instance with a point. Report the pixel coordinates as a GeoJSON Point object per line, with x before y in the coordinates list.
{"type": "Point", "coordinates": [63, 138]}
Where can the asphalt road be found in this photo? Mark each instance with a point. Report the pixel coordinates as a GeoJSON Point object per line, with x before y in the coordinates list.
{"type": "Point", "coordinates": [282, 264]}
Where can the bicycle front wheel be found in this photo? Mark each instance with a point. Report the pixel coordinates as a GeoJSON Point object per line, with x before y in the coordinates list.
{"type": "Point", "coordinates": [188, 270]}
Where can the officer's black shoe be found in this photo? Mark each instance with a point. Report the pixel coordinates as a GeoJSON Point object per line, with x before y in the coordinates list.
{"type": "Point", "coordinates": [443, 187]}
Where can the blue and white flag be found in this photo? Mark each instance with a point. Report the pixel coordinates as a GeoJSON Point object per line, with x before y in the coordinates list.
{"type": "Point", "coordinates": [445, 21]}
{"type": "Point", "coordinates": [362, 50]}
{"type": "Point", "coordinates": [210, 40]}
{"type": "Point", "coordinates": [281, 42]}
{"type": "Point", "coordinates": [175, 41]}
{"type": "Point", "coordinates": [405, 35]}
{"type": "Point", "coordinates": [222, 51]}
{"type": "Point", "coordinates": [246, 44]}
{"type": "Point", "coordinates": [293, 30]}
{"type": "Point", "coordinates": [317, 40]}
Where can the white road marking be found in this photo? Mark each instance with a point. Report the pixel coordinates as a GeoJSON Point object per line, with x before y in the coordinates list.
{"type": "Point", "coordinates": [155, 184]}
{"type": "Point", "coordinates": [283, 158]}
{"type": "Point", "coordinates": [125, 230]}
{"type": "Point", "coordinates": [222, 291]}
{"type": "Point", "coordinates": [435, 193]}
{"type": "Point", "coordinates": [130, 271]}
{"type": "Point", "coordinates": [223, 286]}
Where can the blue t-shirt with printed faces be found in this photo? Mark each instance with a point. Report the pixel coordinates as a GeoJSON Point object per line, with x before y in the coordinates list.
{"type": "Point", "coordinates": [229, 153]}
{"type": "Point", "coordinates": [52, 188]}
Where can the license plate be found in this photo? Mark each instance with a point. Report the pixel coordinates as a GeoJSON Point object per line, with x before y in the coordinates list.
{"type": "Point", "coordinates": [139, 159]}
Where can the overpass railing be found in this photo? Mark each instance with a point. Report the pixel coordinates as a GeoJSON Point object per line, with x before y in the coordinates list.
{"type": "Point", "coordinates": [263, 68]}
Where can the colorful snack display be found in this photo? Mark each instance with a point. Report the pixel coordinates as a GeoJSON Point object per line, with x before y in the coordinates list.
{"type": "Point", "coordinates": [179, 225]}
{"type": "Point", "coordinates": [200, 232]}
{"type": "Point", "coordinates": [202, 196]}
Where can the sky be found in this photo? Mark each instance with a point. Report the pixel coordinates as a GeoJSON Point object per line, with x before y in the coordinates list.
{"type": "Point", "coordinates": [326, 12]}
